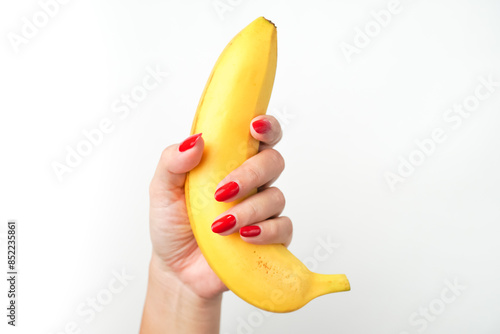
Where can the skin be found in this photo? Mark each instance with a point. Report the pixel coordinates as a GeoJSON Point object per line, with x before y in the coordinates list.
{"type": "Point", "coordinates": [184, 295]}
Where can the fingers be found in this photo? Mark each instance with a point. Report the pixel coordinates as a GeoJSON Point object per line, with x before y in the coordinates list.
{"type": "Point", "coordinates": [256, 208]}
{"type": "Point", "coordinates": [267, 130]}
{"type": "Point", "coordinates": [257, 171]}
{"type": "Point", "coordinates": [175, 161]}
{"type": "Point", "coordinates": [255, 219]}
{"type": "Point", "coordinates": [272, 231]}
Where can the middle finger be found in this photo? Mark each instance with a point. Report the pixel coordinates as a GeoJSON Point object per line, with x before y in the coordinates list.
{"type": "Point", "coordinates": [254, 209]}
{"type": "Point", "coordinates": [258, 170]}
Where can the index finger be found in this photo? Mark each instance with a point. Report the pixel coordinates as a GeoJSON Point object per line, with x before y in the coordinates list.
{"type": "Point", "coordinates": [267, 130]}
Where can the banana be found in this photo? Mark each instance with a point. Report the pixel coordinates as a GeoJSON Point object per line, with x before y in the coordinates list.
{"type": "Point", "coordinates": [239, 88]}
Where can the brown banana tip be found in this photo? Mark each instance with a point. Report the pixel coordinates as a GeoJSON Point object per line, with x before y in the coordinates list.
{"type": "Point", "coordinates": [270, 22]}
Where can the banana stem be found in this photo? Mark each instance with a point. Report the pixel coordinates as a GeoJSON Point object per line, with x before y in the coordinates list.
{"type": "Point", "coordinates": [324, 284]}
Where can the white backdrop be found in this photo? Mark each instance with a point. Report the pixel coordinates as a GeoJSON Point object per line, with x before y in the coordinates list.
{"type": "Point", "coordinates": [390, 112]}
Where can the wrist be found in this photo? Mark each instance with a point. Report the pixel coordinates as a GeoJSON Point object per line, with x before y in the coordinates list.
{"type": "Point", "coordinates": [167, 280]}
{"type": "Point", "coordinates": [171, 304]}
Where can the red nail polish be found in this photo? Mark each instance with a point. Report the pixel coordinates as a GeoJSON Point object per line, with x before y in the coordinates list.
{"type": "Point", "coordinates": [189, 142]}
{"type": "Point", "coordinates": [227, 191]}
{"type": "Point", "coordinates": [261, 126]}
{"type": "Point", "coordinates": [223, 224]}
{"type": "Point", "coordinates": [250, 231]}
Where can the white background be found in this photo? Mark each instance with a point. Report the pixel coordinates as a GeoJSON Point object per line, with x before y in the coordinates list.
{"type": "Point", "coordinates": [346, 124]}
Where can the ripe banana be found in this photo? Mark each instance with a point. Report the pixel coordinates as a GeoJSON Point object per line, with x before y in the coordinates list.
{"type": "Point", "coordinates": [238, 89]}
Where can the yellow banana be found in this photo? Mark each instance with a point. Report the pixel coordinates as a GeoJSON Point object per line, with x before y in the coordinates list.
{"type": "Point", "coordinates": [238, 89]}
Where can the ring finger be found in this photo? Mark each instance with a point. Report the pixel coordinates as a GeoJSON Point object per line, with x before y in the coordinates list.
{"type": "Point", "coordinates": [256, 208]}
{"type": "Point", "coordinates": [272, 231]}
{"type": "Point", "coordinates": [256, 171]}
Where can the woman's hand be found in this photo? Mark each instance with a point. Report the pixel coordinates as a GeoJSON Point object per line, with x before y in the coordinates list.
{"type": "Point", "coordinates": [178, 270]}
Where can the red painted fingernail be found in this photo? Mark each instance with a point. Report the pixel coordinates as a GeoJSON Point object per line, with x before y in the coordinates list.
{"type": "Point", "coordinates": [249, 231]}
{"type": "Point", "coordinates": [227, 191]}
{"type": "Point", "coordinates": [261, 126]}
{"type": "Point", "coordinates": [189, 142]}
{"type": "Point", "coordinates": [223, 224]}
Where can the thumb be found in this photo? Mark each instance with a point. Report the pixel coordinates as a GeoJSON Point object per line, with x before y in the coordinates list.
{"type": "Point", "coordinates": [170, 175]}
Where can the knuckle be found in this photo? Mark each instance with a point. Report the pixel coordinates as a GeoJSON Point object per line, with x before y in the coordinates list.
{"type": "Point", "coordinates": [251, 211]}
{"type": "Point", "coordinates": [278, 196]}
{"type": "Point", "coordinates": [253, 174]}
{"type": "Point", "coordinates": [272, 231]}
{"type": "Point", "coordinates": [287, 222]}
{"type": "Point", "coordinates": [276, 158]}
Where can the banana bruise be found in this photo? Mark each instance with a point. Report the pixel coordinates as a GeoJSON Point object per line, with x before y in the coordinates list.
{"type": "Point", "coordinates": [239, 88]}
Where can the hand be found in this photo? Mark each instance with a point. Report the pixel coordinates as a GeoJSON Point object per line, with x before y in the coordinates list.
{"type": "Point", "coordinates": [173, 241]}
{"type": "Point", "coordinates": [176, 257]}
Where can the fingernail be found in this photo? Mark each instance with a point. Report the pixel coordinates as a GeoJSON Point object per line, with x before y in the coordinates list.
{"type": "Point", "coordinates": [223, 224]}
{"type": "Point", "coordinates": [227, 191]}
{"type": "Point", "coordinates": [250, 231]}
{"type": "Point", "coordinates": [261, 126]}
{"type": "Point", "coordinates": [189, 142]}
